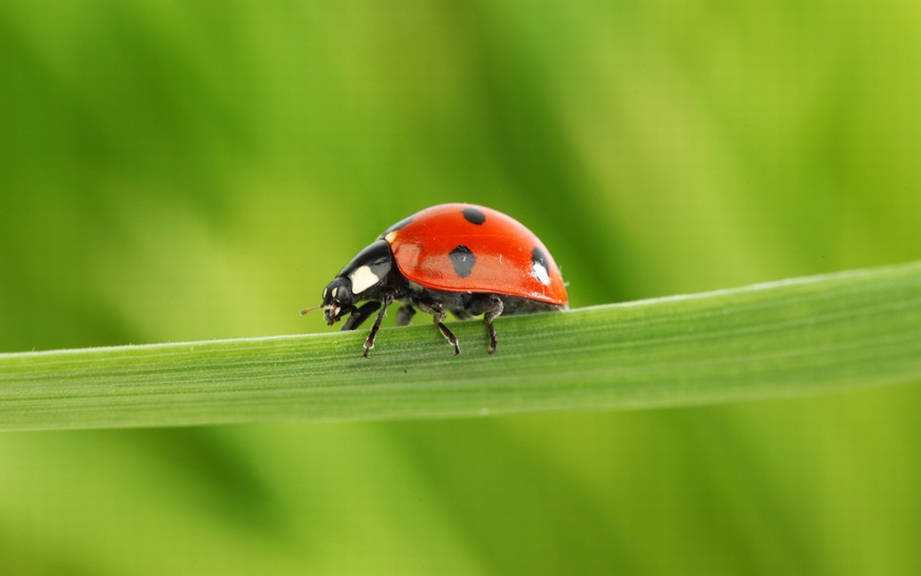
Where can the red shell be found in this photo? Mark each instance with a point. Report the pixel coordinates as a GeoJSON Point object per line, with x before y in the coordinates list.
{"type": "Point", "coordinates": [492, 253]}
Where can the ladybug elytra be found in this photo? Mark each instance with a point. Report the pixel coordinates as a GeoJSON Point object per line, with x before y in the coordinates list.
{"type": "Point", "coordinates": [462, 258]}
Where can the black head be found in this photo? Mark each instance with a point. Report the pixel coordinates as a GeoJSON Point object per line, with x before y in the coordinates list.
{"type": "Point", "coordinates": [337, 299]}
{"type": "Point", "coordinates": [361, 279]}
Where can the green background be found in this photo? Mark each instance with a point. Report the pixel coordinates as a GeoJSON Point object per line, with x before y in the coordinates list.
{"type": "Point", "coordinates": [173, 171]}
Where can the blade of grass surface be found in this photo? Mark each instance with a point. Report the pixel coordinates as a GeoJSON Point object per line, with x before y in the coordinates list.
{"type": "Point", "coordinates": [785, 338]}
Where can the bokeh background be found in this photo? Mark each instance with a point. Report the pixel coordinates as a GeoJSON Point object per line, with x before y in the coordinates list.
{"type": "Point", "coordinates": [187, 170]}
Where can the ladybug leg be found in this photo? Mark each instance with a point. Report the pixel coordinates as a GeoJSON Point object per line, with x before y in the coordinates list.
{"type": "Point", "coordinates": [360, 314]}
{"type": "Point", "coordinates": [439, 319]}
{"type": "Point", "coordinates": [438, 316]}
{"type": "Point", "coordinates": [405, 315]}
{"type": "Point", "coordinates": [490, 306]}
{"type": "Point", "coordinates": [369, 343]}
{"type": "Point", "coordinates": [488, 316]}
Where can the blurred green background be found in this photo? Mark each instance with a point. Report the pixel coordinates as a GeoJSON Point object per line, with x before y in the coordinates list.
{"type": "Point", "coordinates": [174, 171]}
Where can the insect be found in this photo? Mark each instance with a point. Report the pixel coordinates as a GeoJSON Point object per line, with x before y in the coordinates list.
{"type": "Point", "coordinates": [462, 258]}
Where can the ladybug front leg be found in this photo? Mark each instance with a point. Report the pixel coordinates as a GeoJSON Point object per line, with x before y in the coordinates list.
{"type": "Point", "coordinates": [386, 299]}
{"type": "Point", "coordinates": [438, 315]}
{"type": "Point", "coordinates": [360, 314]}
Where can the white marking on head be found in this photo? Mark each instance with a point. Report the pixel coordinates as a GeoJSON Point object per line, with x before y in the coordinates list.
{"type": "Point", "coordinates": [362, 279]}
{"type": "Point", "coordinates": [335, 292]}
{"type": "Point", "coordinates": [391, 236]}
{"type": "Point", "coordinates": [325, 292]}
{"type": "Point", "coordinates": [539, 271]}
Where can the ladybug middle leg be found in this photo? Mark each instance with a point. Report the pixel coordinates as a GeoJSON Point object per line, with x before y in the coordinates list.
{"type": "Point", "coordinates": [405, 315]}
{"type": "Point", "coordinates": [438, 316]}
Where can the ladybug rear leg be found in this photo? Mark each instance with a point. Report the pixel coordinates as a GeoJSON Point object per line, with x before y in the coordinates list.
{"type": "Point", "coordinates": [369, 343]}
{"type": "Point", "coordinates": [491, 314]}
{"type": "Point", "coordinates": [438, 316]}
{"type": "Point", "coordinates": [490, 306]}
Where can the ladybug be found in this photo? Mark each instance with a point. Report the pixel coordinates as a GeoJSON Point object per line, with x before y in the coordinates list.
{"type": "Point", "coordinates": [462, 258]}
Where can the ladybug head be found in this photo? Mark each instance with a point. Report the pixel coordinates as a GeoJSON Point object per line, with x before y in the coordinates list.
{"type": "Point", "coordinates": [361, 279]}
{"type": "Point", "coordinates": [337, 299]}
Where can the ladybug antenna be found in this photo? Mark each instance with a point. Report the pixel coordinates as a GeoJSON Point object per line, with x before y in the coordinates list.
{"type": "Point", "coordinates": [311, 309]}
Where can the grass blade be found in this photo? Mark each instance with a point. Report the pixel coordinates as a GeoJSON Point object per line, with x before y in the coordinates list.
{"type": "Point", "coordinates": [792, 337]}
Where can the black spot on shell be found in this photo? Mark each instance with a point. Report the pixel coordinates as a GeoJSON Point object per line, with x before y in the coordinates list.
{"type": "Point", "coordinates": [538, 257]}
{"type": "Point", "coordinates": [474, 215]}
{"type": "Point", "coordinates": [463, 260]}
{"type": "Point", "coordinates": [401, 224]}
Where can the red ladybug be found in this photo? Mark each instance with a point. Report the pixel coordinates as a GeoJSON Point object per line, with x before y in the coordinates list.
{"type": "Point", "coordinates": [466, 259]}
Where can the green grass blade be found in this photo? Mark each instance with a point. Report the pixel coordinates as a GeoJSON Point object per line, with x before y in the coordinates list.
{"type": "Point", "coordinates": [786, 338]}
